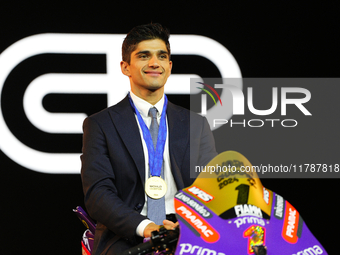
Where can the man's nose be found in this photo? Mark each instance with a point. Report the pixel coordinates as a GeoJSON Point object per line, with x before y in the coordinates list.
{"type": "Point", "coordinates": [154, 62]}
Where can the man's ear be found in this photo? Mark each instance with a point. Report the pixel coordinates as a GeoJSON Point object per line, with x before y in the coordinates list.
{"type": "Point", "coordinates": [170, 63]}
{"type": "Point", "coordinates": [170, 68]}
{"type": "Point", "coordinates": [125, 67]}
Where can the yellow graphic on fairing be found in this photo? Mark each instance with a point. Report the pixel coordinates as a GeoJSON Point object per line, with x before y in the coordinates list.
{"type": "Point", "coordinates": [228, 180]}
{"type": "Point", "coordinates": [255, 235]}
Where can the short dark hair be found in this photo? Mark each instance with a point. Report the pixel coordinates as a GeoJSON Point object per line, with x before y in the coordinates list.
{"type": "Point", "coordinates": [142, 33]}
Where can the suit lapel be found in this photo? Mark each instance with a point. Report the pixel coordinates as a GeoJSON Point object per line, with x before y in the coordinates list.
{"type": "Point", "coordinates": [123, 118]}
{"type": "Point", "coordinates": [178, 125]}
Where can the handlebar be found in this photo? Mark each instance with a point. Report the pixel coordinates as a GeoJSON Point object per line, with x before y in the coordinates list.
{"type": "Point", "coordinates": [142, 248]}
{"type": "Point", "coordinates": [163, 241]}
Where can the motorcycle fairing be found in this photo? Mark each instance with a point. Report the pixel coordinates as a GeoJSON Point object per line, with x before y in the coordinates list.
{"type": "Point", "coordinates": [263, 217]}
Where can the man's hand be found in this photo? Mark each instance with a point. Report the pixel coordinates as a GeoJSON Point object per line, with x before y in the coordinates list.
{"type": "Point", "coordinates": [152, 227]}
{"type": "Point", "coordinates": [169, 225]}
{"type": "Point", "coordinates": [149, 228]}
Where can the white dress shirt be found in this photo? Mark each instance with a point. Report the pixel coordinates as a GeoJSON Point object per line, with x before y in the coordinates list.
{"type": "Point", "coordinates": [143, 108]}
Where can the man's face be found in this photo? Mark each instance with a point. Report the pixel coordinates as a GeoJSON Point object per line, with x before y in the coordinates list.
{"type": "Point", "coordinates": [149, 67]}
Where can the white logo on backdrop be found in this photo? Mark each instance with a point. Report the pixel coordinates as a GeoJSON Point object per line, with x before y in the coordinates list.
{"type": "Point", "coordinates": [113, 83]}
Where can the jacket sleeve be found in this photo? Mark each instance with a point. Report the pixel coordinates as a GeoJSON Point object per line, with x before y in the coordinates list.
{"type": "Point", "coordinates": [102, 198]}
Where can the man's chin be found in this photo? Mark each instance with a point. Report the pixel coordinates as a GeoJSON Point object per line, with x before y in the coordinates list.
{"type": "Point", "coordinates": [155, 87]}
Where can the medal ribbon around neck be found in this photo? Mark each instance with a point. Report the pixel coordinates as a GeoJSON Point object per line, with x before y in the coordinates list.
{"type": "Point", "coordinates": [155, 157]}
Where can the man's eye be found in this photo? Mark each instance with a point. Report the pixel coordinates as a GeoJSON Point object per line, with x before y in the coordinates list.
{"type": "Point", "coordinates": [143, 56]}
{"type": "Point", "coordinates": [163, 56]}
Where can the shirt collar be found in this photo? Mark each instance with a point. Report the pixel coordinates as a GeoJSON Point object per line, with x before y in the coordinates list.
{"type": "Point", "coordinates": [143, 106]}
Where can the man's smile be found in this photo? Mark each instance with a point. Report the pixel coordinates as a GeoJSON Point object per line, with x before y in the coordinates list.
{"type": "Point", "coordinates": [153, 73]}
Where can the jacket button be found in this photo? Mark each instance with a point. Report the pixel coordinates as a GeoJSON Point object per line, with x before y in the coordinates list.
{"type": "Point", "coordinates": [138, 206]}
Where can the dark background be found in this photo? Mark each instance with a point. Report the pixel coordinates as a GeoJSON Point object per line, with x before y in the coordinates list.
{"type": "Point", "coordinates": [287, 39]}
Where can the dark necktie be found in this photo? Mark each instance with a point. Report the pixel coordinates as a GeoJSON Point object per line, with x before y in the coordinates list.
{"type": "Point", "coordinates": [156, 207]}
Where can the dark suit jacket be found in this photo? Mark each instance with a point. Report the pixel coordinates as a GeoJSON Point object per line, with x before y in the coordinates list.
{"type": "Point", "coordinates": [113, 168]}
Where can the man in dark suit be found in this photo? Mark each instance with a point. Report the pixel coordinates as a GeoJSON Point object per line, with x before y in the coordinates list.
{"type": "Point", "coordinates": [117, 158]}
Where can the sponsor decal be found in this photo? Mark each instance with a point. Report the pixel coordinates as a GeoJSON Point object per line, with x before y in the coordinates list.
{"type": "Point", "coordinates": [202, 195]}
{"type": "Point", "coordinates": [256, 236]}
{"type": "Point", "coordinates": [250, 220]}
{"type": "Point", "coordinates": [187, 248]}
{"type": "Point", "coordinates": [310, 251]}
{"type": "Point", "coordinates": [245, 209]}
{"type": "Point", "coordinates": [266, 195]}
{"type": "Point", "coordinates": [291, 229]}
{"type": "Point", "coordinates": [201, 209]}
{"type": "Point", "coordinates": [279, 207]}
{"type": "Point", "coordinates": [206, 231]}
